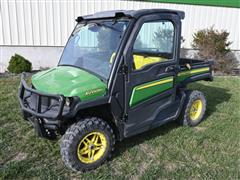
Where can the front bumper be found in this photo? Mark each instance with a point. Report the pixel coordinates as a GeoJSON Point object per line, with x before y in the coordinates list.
{"type": "Point", "coordinates": [45, 111]}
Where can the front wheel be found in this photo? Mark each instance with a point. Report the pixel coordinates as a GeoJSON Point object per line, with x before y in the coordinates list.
{"type": "Point", "coordinates": [87, 144]}
{"type": "Point", "coordinates": [193, 109]}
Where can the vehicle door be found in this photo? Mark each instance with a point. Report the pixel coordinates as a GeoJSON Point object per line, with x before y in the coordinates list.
{"type": "Point", "coordinates": [152, 59]}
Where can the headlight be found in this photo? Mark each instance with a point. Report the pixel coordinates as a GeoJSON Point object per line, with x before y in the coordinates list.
{"type": "Point", "coordinates": [68, 101]}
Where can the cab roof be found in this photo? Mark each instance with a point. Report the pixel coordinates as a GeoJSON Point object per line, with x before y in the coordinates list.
{"type": "Point", "coordinates": [128, 13]}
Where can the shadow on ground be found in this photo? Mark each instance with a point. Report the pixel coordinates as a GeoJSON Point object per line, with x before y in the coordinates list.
{"type": "Point", "coordinates": [214, 96]}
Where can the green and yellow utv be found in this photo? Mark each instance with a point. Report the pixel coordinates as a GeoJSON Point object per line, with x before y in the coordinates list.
{"type": "Point", "coordinates": [120, 74]}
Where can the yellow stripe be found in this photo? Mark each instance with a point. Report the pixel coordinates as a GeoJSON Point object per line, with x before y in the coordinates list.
{"type": "Point", "coordinates": [156, 83]}
{"type": "Point", "coordinates": [193, 71]}
{"type": "Point", "coordinates": [171, 79]}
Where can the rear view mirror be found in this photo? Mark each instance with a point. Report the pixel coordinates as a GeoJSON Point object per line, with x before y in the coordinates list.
{"type": "Point", "coordinates": [93, 27]}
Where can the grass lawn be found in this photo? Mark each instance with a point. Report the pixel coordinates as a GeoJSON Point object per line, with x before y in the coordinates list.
{"type": "Point", "coordinates": [209, 151]}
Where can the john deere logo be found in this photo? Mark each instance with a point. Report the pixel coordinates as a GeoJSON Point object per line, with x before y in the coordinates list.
{"type": "Point", "coordinates": [93, 91]}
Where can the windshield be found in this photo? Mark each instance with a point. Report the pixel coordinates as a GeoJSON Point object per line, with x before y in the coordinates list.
{"type": "Point", "coordinates": [93, 46]}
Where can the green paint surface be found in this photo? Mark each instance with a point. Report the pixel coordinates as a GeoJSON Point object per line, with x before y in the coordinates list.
{"type": "Point", "coordinates": [221, 3]}
{"type": "Point", "coordinates": [139, 95]}
{"type": "Point", "coordinates": [69, 81]}
{"type": "Point", "coordinates": [186, 74]}
{"type": "Point", "coordinates": [145, 91]}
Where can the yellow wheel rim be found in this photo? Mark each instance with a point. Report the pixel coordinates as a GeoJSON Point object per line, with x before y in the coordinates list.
{"type": "Point", "coordinates": [196, 109]}
{"type": "Point", "coordinates": [92, 147]}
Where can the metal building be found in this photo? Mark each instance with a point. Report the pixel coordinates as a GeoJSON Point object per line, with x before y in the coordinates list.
{"type": "Point", "coordinates": [38, 29]}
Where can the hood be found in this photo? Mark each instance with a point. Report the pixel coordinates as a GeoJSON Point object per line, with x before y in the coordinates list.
{"type": "Point", "coordinates": [69, 81]}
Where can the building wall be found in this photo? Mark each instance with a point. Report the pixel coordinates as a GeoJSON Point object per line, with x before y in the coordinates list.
{"type": "Point", "coordinates": [44, 23]}
{"type": "Point", "coordinates": [41, 57]}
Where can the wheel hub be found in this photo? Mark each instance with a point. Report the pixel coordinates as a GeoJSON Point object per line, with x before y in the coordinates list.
{"type": "Point", "coordinates": [196, 109]}
{"type": "Point", "coordinates": [92, 147]}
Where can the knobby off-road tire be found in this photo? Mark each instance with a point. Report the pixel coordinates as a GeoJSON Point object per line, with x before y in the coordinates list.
{"type": "Point", "coordinates": [81, 133]}
{"type": "Point", "coordinates": [187, 117]}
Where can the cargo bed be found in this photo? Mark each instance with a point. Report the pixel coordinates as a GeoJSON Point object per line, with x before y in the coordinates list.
{"type": "Point", "coordinates": [194, 70]}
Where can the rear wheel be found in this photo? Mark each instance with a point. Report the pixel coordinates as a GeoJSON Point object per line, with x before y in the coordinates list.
{"type": "Point", "coordinates": [193, 109]}
{"type": "Point", "coordinates": [87, 144]}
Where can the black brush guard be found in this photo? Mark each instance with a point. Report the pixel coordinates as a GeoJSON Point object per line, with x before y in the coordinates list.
{"type": "Point", "coordinates": [40, 104]}
{"type": "Point", "coordinates": [44, 111]}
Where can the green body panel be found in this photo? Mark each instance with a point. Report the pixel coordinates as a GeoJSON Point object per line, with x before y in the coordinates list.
{"type": "Point", "coordinates": [189, 73]}
{"type": "Point", "coordinates": [145, 91]}
{"type": "Point", "coordinates": [69, 81]}
{"type": "Point", "coordinates": [221, 3]}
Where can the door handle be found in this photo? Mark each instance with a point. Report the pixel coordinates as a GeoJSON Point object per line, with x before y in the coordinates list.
{"type": "Point", "coordinates": [172, 68]}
